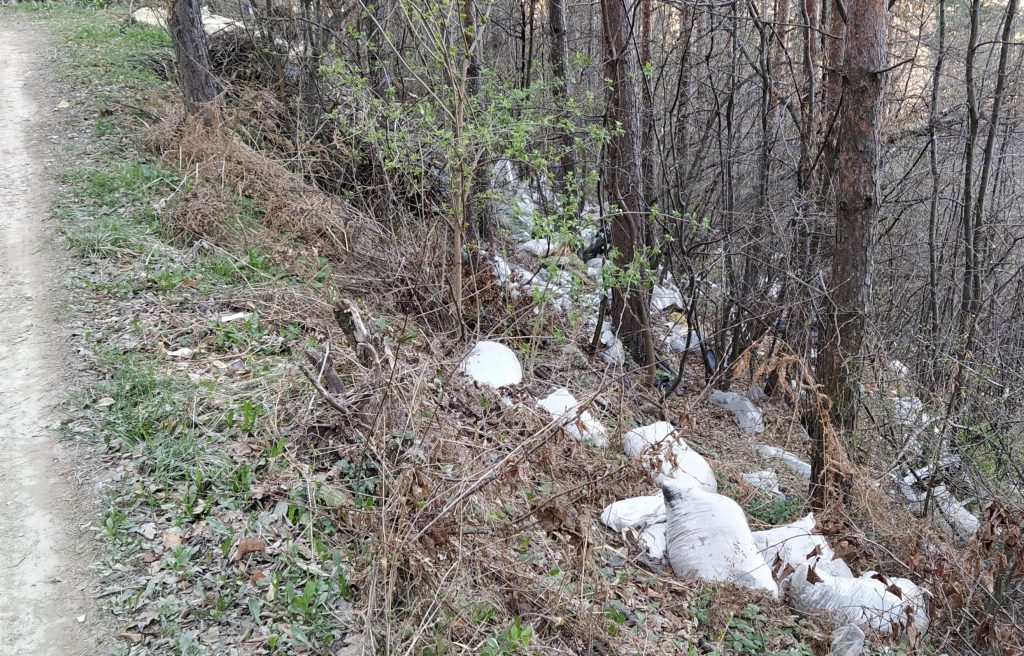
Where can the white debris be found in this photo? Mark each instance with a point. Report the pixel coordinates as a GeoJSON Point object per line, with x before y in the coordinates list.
{"type": "Point", "coordinates": [636, 512]}
{"type": "Point", "coordinates": [184, 352]}
{"type": "Point", "coordinates": [666, 296]}
{"type": "Point", "coordinates": [748, 415]}
{"type": "Point", "coordinates": [214, 23]}
{"type": "Point", "coordinates": [680, 338]}
{"type": "Point", "coordinates": [594, 267]}
{"type": "Point", "coordinates": [668, 457]}
{"type": "Point", "coordinates": [707, 536]}
{"type": "Point", "coordinates": [237, 316]}
{"type": "Point", "coordinates": [791, 460]}
{"type": "Point", "coordinates": [796, 544]}
{"type": "Point", "coordinates": [501, 270]}
{"type": "Point", "coordinates": [574, 420]}
{"type": "Point", "coordinates": [765, 480]}
{"type": "Point", "coordinates": [537, 247]}
{"type": "Point", "coordinates": [847, 640]}
{"type": "Point", "coordinates": [963, 522]}
{"type": "Point", "coordinates": [915, 598]}
{"type": "Point", "coordinates": [654, 536]}
{"type": "Point", "coordinates": [614, 352]}
{"type": "Point", "coordinates": [639, 440]}
{"type": "Point", "coordinates": [150, 16]}
{"type": "Point", "coordinates": [865, 602]}
{"type": "Point", "coordinates": [898, 369]}
{"type": "Point", "coordinates": [492, 364]}
{"type": "Point", "coordinates": [908, 408]}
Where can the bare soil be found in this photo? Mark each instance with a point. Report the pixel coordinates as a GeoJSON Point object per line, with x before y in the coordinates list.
{"type": "Point", "coordinates": [46, 592]}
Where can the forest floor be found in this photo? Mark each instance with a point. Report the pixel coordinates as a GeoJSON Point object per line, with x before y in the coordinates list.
{"type": "Point", "coordinates": [46, 600]}
{"type": "Point", "coordinates": [171, 468]}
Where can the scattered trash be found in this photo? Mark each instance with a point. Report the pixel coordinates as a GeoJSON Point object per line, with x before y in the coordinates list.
{"type": "Point", "coordinates": [579, 423]}
{"type": "Point", "coordinates": [237, 316]}
{"type": "Point", "coordinates": [664, 297]}
{"type": "Point", "coordinates": [765, 480]}
{"type": "Point", "coordinates": [748, 415]}
{"type": "Point", "coordinates": [492, 364]}
{"type": "Point", "coordinates": [847, 640]}
{"type": "Point", "coordinates": [707, 536]}
{"type": "Point", "coordinates": [801, 468]}
{"type": "Point", "coordinates": [654, 537]}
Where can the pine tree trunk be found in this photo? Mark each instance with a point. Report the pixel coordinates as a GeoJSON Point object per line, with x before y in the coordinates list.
{"type": "Point", "coordinates": [858, 199]}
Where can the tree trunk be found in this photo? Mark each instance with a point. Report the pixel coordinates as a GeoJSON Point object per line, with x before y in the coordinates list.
{"type": "Point", "coordinates": [625, 183]}
{"type": "Point", "coordinates": [185, 23]}
{"type": "Point", "coordinates": [480, 212]}
{"type": "Point", "coordinates": [560, 87]}
{"type": "Point", "coordinates": [858, 199]}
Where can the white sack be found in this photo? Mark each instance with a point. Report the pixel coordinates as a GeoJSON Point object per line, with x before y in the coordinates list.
{"type": "Point", "coordinates": [654, 538]}
{"type": "Point", "coordinates": [636, 512]}
{"type": "Point", "coordinates": [667, 456]}
{"type": "Point", "coordinates": [492, 364]}
{"type": "Point", "coordinates": [796, 544]}
{"type": "Point", "coordinates": [707, 537]}
{"type": "Point", "coordinates": [575, 421]}
{"type": "Point", "coordinates": [864, 601]}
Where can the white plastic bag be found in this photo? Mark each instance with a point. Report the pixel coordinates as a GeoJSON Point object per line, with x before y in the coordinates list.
{"type": "Point", "coordinates": [636, 512]}
{"type": "Point", "coordinates": [492, 364]}
{"type": "Point", "coordinates": [654, 538]}
{"type": "Point", "coordinates": [707, 536]}
{"type": "Point", "coordinates": [764, 480]}
{"type": "Point", "coordinates": [575, 421]}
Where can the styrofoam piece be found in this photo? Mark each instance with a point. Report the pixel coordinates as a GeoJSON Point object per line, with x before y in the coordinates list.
{"type": "Point", "coordinates": [798, 466]}
{"type": "Point", "coordinates": [635, 512]}
{"type": "Point", "coordinates": [765, 480]}
{"type": "Point", "coordinates": [707, 537]}
{"type": "Point", "coordinates": [492, 364]}
{"type": "Point", "coordinates": [796, 544]}
{"type": "Point", "coordinates": [575, 421]}
{"type": "Point", "coordinates": [748, 416]}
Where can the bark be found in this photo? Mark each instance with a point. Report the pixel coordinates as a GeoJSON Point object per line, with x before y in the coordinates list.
{"type": "Point", "coordinates": [625, 183]}
{"type": "Point", "coordinates": [479, 212]}
{"type": "Point", "coordinates": [858, 200]}
{"type": "Point", "coordinates": [198, 86]}
{"type": "Point", "coordinates": [560, 86]}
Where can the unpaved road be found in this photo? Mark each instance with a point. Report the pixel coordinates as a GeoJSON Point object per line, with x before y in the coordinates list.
{"type": "Point", "coordinates": [45, 588]}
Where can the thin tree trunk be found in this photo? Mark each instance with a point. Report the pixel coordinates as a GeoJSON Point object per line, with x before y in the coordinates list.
{"type": "Point", "coordinates": [560, 86]}
{"type": "Point", "coordinates": [198, 86]}
{"type": "Point", "coordinates": [630, 312]}
{"type": "Point", "coordinates": [933, 210]}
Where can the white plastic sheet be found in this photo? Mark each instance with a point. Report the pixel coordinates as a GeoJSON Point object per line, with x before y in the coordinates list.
{"type": "Point", "coordinates": [765, 480]}
{"type": "Point", "coordinates": [492, 364]}
{"type": "Point", "coordinates": [803, 469]}
{"type": "Point", "coordinates": [708, 537]}
{"type": "Point", "coordinates": [748, 416]}
{"type": "Point", "coordinates": [654, 538]}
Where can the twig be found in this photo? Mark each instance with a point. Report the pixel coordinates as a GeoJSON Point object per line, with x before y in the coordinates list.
{"type": "Point", "coordinates": [334, 403]}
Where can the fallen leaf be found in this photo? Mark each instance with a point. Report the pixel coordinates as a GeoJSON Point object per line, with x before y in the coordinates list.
{"type": "Point", "coordinates": [248, 546]}
{"type": "Point", "coordinates": [183, 352]}
{"type": "Point", "coordinates": [147, 530]}
{"type": "Point", "coordinates": [149, 557]}
{"type": "Point", "coordinates": [104, 402]}
{"type": "Point", "coordinates": [173, 538]}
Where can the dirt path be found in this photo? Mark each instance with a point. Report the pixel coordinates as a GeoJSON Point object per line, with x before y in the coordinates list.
{"type": "Point", "coordinates": [44, 579]}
